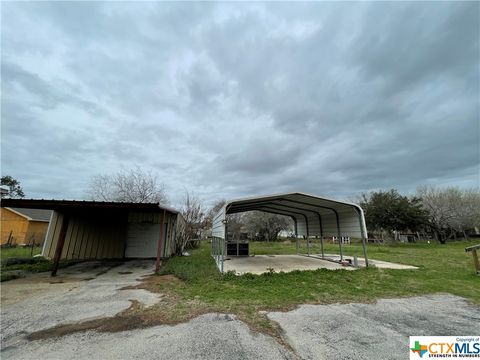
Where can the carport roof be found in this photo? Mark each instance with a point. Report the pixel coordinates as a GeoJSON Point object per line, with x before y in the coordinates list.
{"type": "Point", "coordinates": [64, 205]}
{"type": "Point", "coordinates": [313, 215]}
{"type": "Point", "coordinates": [289, 202]}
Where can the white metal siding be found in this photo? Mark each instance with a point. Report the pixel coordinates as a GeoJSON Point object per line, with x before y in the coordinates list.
{"type": "Point", "coordinates": [218, 224]}
{"type": "Point", "coordinates": [142, 240]}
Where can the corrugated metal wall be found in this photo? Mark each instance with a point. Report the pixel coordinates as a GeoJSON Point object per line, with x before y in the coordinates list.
{"type": "Point", "coordinates": [349, 219]}
{"type": "Point", "coordinates": [218, 223]}
{"type": "Point", "coordinates": [170, 224]}
{"type": "Point", "coordinates": [87, 237]}
{"type": "Point", "coordinates": [349, 224]}
{"type": "Point", "coordinates": [104, 236]}
{"type": "Point", "coordinates": [174, 221]}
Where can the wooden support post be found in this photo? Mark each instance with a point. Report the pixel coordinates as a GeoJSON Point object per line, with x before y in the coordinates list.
{"type": "Point", "coordinates": [60, 243]}
{"type": "Point", "coordinates": [475, 261]}
{"type": "Point", "coordinates": [10, 238]}
{"type": "Point", "coordinates": [473, 249]}
{"type": "Point", "coordinates": [161, 242]}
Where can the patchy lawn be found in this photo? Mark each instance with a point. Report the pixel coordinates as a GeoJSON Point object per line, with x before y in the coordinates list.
{"type": "Point", "coordinates": [442, 269]}
{"type": "Point", "coordinates": [25, 263]}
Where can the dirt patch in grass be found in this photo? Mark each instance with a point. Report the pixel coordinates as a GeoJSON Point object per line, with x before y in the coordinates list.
{"type": "Point", "coordinates": [135, 317]}
{"type": "Point", "coordinates": [153, 283]}
{"type": "Point", "coordinates": [123, 321]}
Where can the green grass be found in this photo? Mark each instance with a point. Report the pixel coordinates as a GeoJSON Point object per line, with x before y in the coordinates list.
{"type": "Point", "coordinates": [19, 252]}
{"type": "Point", "coordinates": [13, 271]}
{"type": "Point", "coordinates": [442, 269]}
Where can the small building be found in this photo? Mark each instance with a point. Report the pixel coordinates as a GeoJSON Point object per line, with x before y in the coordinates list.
{"type": "Point", "coordinates": [4, 191]}
{"type": "Point", "coordinates": [24, 226]}
{"type": "Point", "coordinates": [406, 236]}
{"type": "Point", "coordinates": [346, 240]}
{"type": "Point", "coordinates": [87, 230]}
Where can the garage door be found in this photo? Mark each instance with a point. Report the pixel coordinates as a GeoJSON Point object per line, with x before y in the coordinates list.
{"type": "Point", "coordinates": [142, 240]}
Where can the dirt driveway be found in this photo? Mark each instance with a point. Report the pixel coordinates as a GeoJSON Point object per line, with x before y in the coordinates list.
{"type": "Point", "coordinates": [95, 290]}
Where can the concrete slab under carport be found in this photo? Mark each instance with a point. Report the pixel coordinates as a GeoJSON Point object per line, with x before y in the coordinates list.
{"type": "Point", "coordinates": [259, 264]}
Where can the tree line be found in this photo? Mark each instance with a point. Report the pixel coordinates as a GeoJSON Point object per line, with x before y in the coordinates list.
{"type": "Point", "coordinates": [442, 212]}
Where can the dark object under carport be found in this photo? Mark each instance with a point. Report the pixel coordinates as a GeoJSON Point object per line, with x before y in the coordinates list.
{"type": "Point", "coordinates": [238, 248]}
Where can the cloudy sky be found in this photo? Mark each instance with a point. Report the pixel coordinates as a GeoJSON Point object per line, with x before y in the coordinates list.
{"type": "Point", "coordinates": [237, 99]}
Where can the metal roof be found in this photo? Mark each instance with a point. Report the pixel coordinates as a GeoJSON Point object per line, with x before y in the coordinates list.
{"type": "Point", "coordinates": [313, 215]}
{"type": "Point", "coordinates": [307, 200]}
{"type": "Point", "coordinates": [33, 214]}
{"type": "Point", "coordinates": [64, 205]}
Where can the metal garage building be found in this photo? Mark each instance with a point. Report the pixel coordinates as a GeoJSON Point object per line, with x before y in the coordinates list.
{"type": "Point", "coordinates": [313, 216]}
{"type": "Point", "coordinates": [81, 230]}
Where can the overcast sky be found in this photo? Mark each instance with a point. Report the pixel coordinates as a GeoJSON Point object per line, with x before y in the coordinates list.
{"type": "Point", "coordinates": [230, 100]}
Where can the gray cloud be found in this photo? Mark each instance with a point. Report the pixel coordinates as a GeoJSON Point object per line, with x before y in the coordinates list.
{"type": "Point", "coordinates": [235, 99]}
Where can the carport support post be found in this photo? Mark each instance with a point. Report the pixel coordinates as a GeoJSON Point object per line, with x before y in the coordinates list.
{"type": "Point", "coordinates": [365, 250]}
{"type": "Point", "coordinates": [364, 236]}
{"type": "Point", "coordinates": [321, 233]}
{"type": "Point", "coordinates": [160, 242]}
{"type": "Point", "coordinates": [340, 246]}
{"type": "Point", "coordinates": [223, 246]}
{"type": "Point", "coordinates": [321, 244]}
{"type": "Point", "coordinates": [60, 243]}
{"type": "Point", "coordinates": [338, 238]}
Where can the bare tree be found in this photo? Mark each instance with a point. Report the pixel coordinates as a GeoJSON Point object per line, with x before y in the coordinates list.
{"type": "Point", "coordinates": [212, 212]}
{"type": "Point", "coordinates": [194, 221]}
{"type": "Point", "coordinates": [236, 224]}
{"type": "Point", "coordinates": [134, 185]}
{"type": "Point", "coordinates": [264, 225]}
{"type": "Point", "coordinates": [451, 210]}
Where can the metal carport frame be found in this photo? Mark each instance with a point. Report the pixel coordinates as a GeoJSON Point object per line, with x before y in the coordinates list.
{"type": "Point", "coordinates": [313, 216]}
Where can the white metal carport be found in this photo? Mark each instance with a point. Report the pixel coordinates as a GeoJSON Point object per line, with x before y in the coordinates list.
{"type": "Point", "coordinates": [313, 216]}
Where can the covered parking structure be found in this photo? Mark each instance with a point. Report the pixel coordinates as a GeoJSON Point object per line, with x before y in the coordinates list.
{"type": "Point", "coordinates": [313, 217]}
{"type": "Point", "coordinates": [89, 230]}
